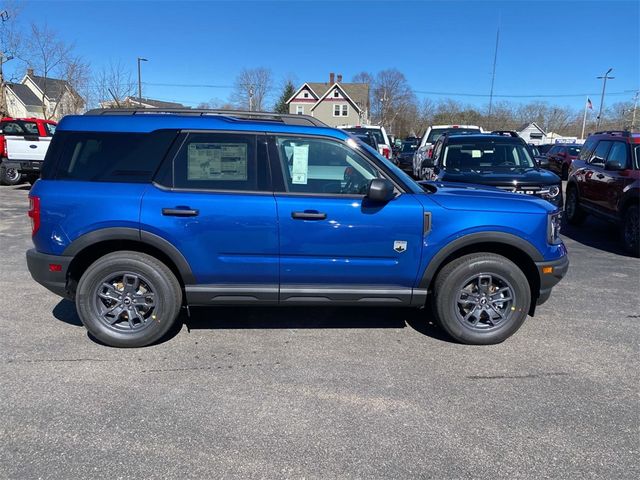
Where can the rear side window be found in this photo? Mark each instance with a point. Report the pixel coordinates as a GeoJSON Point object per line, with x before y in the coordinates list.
{"type": "Point", "coordinates": [221, 161]}
{"type": "Point", "coordinates": [107, 156]}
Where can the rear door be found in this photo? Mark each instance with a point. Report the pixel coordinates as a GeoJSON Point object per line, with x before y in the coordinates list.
{"type": "Point", "coordinates": [593, 192]}
{"type": "Point", "coordinates": [335, 245]}
{"type": "Point", "coordinates": [212, 200]}
{"type": "Point", "coordinates": [614, 181]}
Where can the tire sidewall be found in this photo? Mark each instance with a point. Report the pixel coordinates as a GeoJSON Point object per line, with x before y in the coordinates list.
{"type": "Point", "coordinates": [632, 247]}
{"type": "Point", "coordinates": [446, 300]}
{"type": "Point", "coordinates": [165, 311]}
{"type": "Point", "coordinates": [5, 180]}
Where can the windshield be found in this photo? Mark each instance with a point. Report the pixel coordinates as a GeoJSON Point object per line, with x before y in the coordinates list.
{"type": "Point", "coordinates": [363, 131]}
{"type": "Point", "coordinates": [436, 133]}
{"type": "Point", "coordinates": [408, 147]}
{"type": "Point", "coordinates": [574, 151]}
{"type": "Point", "coordinates": [489, 156]}
{"type": "Point", "coordinates": [410, 182]}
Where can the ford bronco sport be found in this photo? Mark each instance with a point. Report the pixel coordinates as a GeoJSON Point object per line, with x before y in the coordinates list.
{"type": "Point", "coordinates": [138, 214]}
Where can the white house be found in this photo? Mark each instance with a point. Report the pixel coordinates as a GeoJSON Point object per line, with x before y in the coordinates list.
{"type": "Point", "coordinates": [532, 133]}
{"type": "Point", "coordinates": [135, 102]}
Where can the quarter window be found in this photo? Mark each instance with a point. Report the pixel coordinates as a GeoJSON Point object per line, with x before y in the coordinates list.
{"type": "Point", "coordinates": [323, 167]}
{"type": "Point", "coordinates": [217, 161]}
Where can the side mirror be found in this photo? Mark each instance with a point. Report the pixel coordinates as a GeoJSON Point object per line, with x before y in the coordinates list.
{"type": "Point", "coordinates": [543, 162]}
{"type": "Point", "coordinates": [614, 165]}
{"type": "Point", "coordinates": [428, 162]}
{"type": "Point", "coordinates": [380, 190]}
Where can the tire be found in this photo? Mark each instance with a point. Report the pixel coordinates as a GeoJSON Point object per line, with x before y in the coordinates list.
{"type": "Point", "coordinates": [565, 172]}
{"type": "Point", "coordinates": [573, 212]}
{"type": "Point", "coordinates": [631, 230]}
{"type": "Point", "coordinates": [106, 312]}
{"type": "Point", "coordinates": [469, 281]}
{"type": "Point", "coordinates": [9, 176]}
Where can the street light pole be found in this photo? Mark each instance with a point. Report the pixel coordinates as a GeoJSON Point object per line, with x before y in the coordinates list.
{"type": "Point", "coordinates": [140, 59]}
{"type": "Point", "coordinates": [605, 77]}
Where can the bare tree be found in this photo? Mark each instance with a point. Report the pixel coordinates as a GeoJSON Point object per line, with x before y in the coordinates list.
{"type": "Point", "coordinates": [48, 56]}
{"type": "Point", "coordinates": [216, 104]}
{"type": "Point", "coordinates": [77, 74]}
{"type": "Point", "coordinates": [392, 95]}
{"type": "Point", "coordinates": [10, 43]}
{"type": "Point", "coordinates": [252, 88]}
{"type": "Point", "coordinates": [114, 83]}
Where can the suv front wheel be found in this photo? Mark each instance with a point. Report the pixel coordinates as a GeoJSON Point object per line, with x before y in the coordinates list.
{"type": "Point", "coordinates": [481, 298]}
{"type": "Point", "coordinates": [128, 299]}
{"type": "Point", "coordinates": [631, 230]}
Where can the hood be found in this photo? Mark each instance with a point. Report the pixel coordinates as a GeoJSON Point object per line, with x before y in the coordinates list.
{"type": "Point", "coordinates": [464, 196]}
{"type": "Point", "coordinates": [513, 178]}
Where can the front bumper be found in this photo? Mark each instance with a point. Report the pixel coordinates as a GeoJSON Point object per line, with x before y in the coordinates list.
{"type": "Point", "coordinates": [40, 268]}
{"type": "Point", "coordinates": [550, 272]}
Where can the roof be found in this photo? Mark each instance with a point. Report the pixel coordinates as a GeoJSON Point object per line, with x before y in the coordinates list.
{"type": "Point", "coordinates": [153, 103]}
{"type": "Point", "coordinates": [358, 92]}
{"type": "Point", "coordinates": [149, 122]}
{"type": "Point", "coordinates": [344, 92]}
{"type": "Point", "coordinates": [524, 126]}
{"type": "Point", "coordinates": [25, 94]}
{"type": "Point", "coordinates": [53, 88]}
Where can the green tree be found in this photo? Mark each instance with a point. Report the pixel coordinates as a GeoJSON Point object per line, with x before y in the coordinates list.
{"type": "Point", "coordinates": [281, 105]}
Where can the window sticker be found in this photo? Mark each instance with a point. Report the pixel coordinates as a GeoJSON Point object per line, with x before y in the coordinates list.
{"type": "Point", "coordinates": [476, 154]}
{"type": "Point", "coordinates": [300, 168]}
{"type": "Point", "coordinates": [217, 161]}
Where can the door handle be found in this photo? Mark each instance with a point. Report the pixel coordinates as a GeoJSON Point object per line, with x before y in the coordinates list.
{"type": "Point", "coordinates": [180, 212]}
{"type": "Point", "coordinates": [308, 215]}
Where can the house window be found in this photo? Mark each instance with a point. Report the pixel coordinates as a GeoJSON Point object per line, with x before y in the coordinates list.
{"type": "Point", "coordinates": [340, 110]}
{"type": "Point", "coordinates": [336, 93]}
{"type": "Point", "coordinates": [306, 94]}
{"type": "Point", "coordinates": [299, 109]}
{"type": "Point", "coordinates": [345, 110]}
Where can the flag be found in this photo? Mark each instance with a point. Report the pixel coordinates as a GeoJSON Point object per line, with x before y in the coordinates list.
{"type": "Point", "coordinates": [589, 104]}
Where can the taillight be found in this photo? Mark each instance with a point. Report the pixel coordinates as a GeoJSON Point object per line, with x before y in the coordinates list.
{"type": "Point", "coordinates": [3, 147]}
{"type": "Point", "coordinates": [386, 152]}
{"type": "Point", "coordinates": [430, 153]}
{"type": "Point", "coordinates": [34, 213]}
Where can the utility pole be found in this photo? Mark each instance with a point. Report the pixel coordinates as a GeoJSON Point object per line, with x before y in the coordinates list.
{"type": "Point", "coordinates": [140, 59]}
{"type": "Point", "coordinates": [493, 72]}
{"type": "Point", "coordinates": [251, 98]}
{"type": "Point", "coordinates": [605, 77]}
{"type": "Point", "coordinates": [3, 106]}
{"type": "Point", "coordinates": [635, 106]}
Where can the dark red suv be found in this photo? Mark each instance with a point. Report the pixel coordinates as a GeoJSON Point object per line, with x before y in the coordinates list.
{"type": "Point", "coordinates": [605, 181]}
{"type": "Point", "coordinates": [560, 158]}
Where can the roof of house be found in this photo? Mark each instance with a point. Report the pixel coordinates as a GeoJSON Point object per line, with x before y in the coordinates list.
{"type": "Point", "coordinates": [25, 94]}
{"type": "Point", "coordinates": [153, 103]}
{"type": "Point", "coordinates": [53, 88]}
{"type": "Point", "coordinates": [358, 92]}
{"type": "Point", "coordinates": [524, 126]}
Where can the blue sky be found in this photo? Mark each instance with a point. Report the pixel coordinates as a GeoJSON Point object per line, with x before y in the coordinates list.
{"type": "Point", "coordinates": [546, 48]}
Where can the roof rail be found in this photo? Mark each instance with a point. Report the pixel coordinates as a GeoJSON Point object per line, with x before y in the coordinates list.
{"type": "Point", "coordinates": [621, 133]}
{"type": "Point", "coordinates": [287, 119]}
{"type": "Point", "coordinates": [505, 133]}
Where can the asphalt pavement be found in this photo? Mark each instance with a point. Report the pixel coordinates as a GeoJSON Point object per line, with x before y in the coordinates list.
{"type": "Point", "coordinates": [324, 392]}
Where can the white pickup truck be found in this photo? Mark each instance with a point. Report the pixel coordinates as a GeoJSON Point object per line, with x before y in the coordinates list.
{"type": "Point", "coordinates": [23, 144]}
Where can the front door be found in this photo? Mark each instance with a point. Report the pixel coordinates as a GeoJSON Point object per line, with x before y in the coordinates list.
{"type": "Point", "coordinates": [335, 244]}
{"type": "Point", "coordinates": [214, 203]}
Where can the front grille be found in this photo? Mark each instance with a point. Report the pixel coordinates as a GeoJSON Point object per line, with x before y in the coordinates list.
{"type": "Point", "coordinates": [525, 189]}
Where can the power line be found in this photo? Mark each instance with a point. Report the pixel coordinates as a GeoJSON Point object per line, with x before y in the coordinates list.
{"type": "Point", "coordinates": [553, 95]}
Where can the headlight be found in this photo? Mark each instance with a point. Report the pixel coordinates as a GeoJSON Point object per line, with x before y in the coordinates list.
{"type": "Point", "coordinates": [554, 221]}
{"type": "Point", "coordinates": [554, 191]}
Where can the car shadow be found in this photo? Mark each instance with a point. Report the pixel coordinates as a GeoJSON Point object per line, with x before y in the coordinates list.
{"type": "Point", "coordinates": [596, 233]}
{"type": "Point", "coordinates": [239, 318]}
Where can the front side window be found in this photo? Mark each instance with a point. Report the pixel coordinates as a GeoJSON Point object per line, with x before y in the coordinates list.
{"type": "Point", "coordinates": [486, 156]}
{"type": "Point", "coordinates": [587, 148]}
{"type": "Point", "coordinates": [220, 161]}
{"type": "Point", "coordinates": [600, 153]}
{"type": "Point", "coordinates": [313, 165]}
{"type": "Point", "coordinates": [618, 153]}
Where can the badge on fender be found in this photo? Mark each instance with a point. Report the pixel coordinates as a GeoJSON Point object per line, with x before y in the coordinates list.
{"type": "Point", "coordinates": [400, 246]}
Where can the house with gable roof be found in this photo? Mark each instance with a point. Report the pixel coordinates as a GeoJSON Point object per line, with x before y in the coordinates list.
{"type": "Point", "coordinates": [42, 97]}
{"type": "Point", "coordinates": [334, 102]}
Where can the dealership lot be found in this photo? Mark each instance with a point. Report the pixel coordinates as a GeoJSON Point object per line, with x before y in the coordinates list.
{"type": "Point", "coordinates": [324, 392]}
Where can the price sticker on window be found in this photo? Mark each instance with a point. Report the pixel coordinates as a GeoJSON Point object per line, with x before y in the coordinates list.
{"type": "Point", "coordinates": [300, 167]}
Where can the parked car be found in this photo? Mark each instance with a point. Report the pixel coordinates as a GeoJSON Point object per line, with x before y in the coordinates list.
{"type": "Point", "coordinates": [384, 143]}
{"type": "Point", "coordinates": [22, 131]}
{"type": "Point", "coordinates": [425, 150]}
{"type": "Point", "coordinates": [560, 157]}
{"type": "Point", "coordinates": [543, 149]}
{"type": "Point", "coordinates": [605, 182]}
{"type": "Point", "coordinates": [540, 159]}
{"type": "Point", "coordinates": [368, 138]}
{"type": "Point", "coordinates": [138, 215]}
{"type": "Point", "coordinates": [404, 158]}
{"type": "Point", "coordinates": [500, 161]}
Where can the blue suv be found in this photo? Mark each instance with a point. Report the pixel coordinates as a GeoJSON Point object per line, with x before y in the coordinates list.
{"type": "Point", "coordinates": [138, 214]}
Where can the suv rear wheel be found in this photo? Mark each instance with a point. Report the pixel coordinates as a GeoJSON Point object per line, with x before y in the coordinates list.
{"type": "Point", "coordinates": [575, 214]}
{"type": "Point", "coordinates": [128, 299]}
{"type": "Point", "coordinates": [481, 298]}
{"type": "Point", "coordinates": [631, 230]}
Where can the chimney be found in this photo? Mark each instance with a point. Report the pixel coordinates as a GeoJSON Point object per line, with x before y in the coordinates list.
{"type": "Point", "coordinates": [30, 72]}
{"type": "Point", "coordinates": [331, 78]}
{"type": "Point", "coordinates": [339, 78]}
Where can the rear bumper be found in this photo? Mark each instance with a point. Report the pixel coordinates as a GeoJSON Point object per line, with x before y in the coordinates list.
{"type": "Point", "coordinates": [30, 166]}
{"type": "Point", "coordinates": [39, 265]}
{"type": "Point", "coordinates": [550, 279]}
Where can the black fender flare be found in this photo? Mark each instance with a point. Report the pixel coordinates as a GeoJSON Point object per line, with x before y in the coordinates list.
{"type": "Point", "coordinates": [475, 238]}
{"type": "Point", "coordinates": [133, 234]}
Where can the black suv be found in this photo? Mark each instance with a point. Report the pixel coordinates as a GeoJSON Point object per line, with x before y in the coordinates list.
{"type": "Point", "coordinates": [497, 160]}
